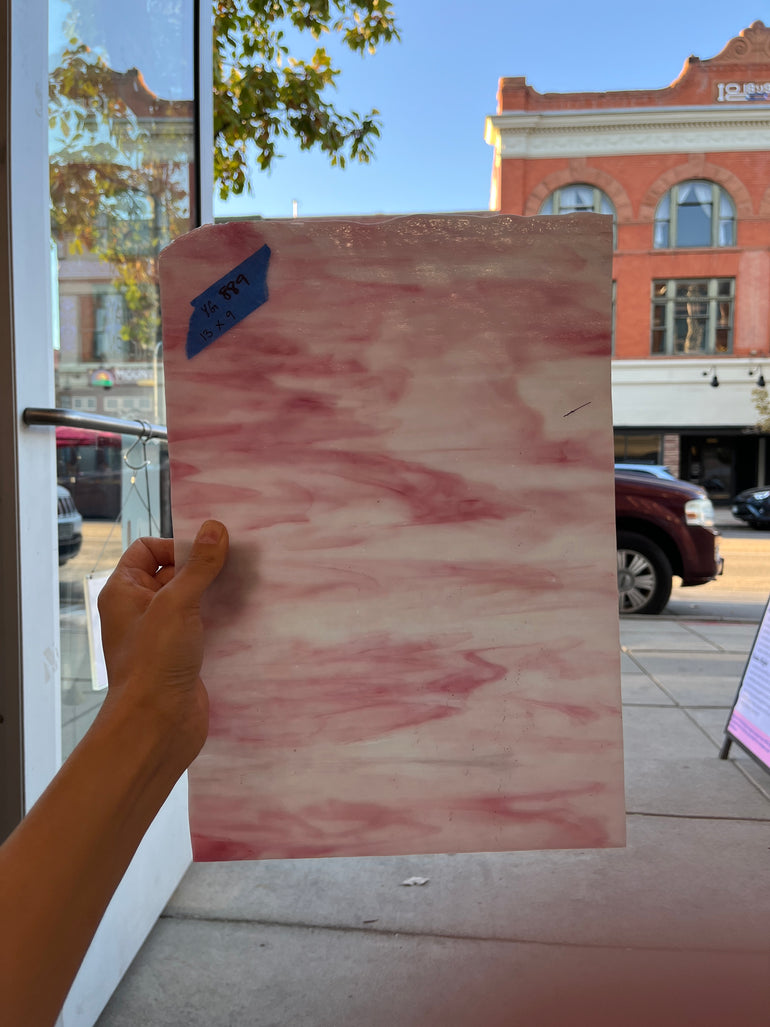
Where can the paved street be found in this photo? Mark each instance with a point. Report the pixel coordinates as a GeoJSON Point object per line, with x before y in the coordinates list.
{"type": "Point", "coordinates": [100, 552]}
{"type": "Point", "coordinates": [101, 549]}
{"type": "Point", "coordinates": [742, 591]}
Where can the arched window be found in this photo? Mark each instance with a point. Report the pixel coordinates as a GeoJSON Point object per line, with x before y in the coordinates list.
{"type": "Point", "coordinates": [579, 199]}
{"type": "Point", "coordinates": [695, 213]}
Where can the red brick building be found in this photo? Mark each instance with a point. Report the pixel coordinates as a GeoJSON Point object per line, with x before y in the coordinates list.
{"type": "Point", "coordinates": [685, 172]}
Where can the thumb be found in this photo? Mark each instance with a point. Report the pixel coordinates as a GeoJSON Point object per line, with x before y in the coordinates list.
{"type": "Point", "coordinates": [205, 561]}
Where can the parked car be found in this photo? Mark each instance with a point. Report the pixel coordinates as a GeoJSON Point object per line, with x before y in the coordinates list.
{"type": "Point", "coordinates": [70, 526]}
{"type": "Point", "coordinates": [89, 465]}
{"type": "Point", "coordinates": [655, 470]}
{"type": "Point", "coordinates": [753, 506]}
{"type": "Point", "coordinates": [664, 528]}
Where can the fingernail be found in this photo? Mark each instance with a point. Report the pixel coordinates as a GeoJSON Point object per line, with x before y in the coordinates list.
{"type": "Point", "coordinates": [210, 532]}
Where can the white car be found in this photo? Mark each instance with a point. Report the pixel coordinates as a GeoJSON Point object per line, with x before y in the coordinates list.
{"type": "Point", "coordinates": [70, 526]}
{"type": "Point", "coordinates": [655, 470]}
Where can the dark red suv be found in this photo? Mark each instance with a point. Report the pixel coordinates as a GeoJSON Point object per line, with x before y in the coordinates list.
{"type": "Point", "coordinates": [664, 528]}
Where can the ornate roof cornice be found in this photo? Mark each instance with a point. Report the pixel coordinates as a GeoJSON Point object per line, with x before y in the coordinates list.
{"type": "Point", "coordinates": [739, 74]}
{"type": "Point", "coordinates": [752, 46]}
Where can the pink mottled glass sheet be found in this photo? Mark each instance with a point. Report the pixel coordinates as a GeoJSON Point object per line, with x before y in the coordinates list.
{"type": "Point", "coordinates": [414, 646]}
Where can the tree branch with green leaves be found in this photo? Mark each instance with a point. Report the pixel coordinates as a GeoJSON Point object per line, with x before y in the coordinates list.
{"type": "Point", "coordinates": [263, 94]}
{"type": "Point", "coordinates": [761, 401]}
{"type": "Point", "coordinates": [119, 175]}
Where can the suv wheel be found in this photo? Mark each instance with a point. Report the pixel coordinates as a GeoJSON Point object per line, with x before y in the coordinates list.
{"type": "Point", "coordinates": [644, 575]}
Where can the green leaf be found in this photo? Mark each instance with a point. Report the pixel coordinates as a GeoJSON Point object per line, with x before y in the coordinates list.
{"type": "Point", "coordinates": [265, 93]}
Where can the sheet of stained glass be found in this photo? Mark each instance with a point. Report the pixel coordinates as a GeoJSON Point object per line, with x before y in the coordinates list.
{"type": "Point", "coordinates": [406, 425]}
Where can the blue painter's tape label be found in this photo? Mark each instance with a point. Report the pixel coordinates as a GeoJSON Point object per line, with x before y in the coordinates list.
{"type": "Point", "coordinates": [228, 301]}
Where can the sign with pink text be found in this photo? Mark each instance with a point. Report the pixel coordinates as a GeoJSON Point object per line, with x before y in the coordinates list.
{"type": "Point", "coordinates": [406, 425]}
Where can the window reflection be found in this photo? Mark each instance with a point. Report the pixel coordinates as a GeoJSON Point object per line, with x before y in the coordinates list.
{"type": "Point", "coordinates": [695, 213]}
{"type": "Point", "coordinates": [579, 199]}
{"type": "Point", "coordinates": [638, 449]}
{"type": "Point", "coordinates": [692, 316]}
{"type": "Point", "coordinates": [122, 186]}
{"type": "Point", "coordinates": [122, 173]}
{"type": "Point", "coordinates": [103, 506]}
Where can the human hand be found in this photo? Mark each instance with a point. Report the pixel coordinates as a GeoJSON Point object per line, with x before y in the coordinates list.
{"type": "Point", "coordinates": [153, 637]}
{"type": "Point", "coordinates": [62, 864]}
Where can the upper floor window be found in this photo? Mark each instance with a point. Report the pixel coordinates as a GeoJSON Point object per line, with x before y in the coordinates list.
{"type": "Point", "coordinates": [579, 199]}
{"type": "Point", "coordinates": [692, 315]}
{"type": "Point", "coordinates": [695, 213]}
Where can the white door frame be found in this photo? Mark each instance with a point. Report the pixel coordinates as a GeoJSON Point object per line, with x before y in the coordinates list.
{"type": "Point", "coordinates": [30, 705]}
{"type": "Point", "coordinates": [11, 754]}
{"type": "Point", "coordinates": [28, 561]}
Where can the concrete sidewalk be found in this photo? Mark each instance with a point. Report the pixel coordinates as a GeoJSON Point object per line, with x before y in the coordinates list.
{"type": "Point", "coordinates": [673, 931]}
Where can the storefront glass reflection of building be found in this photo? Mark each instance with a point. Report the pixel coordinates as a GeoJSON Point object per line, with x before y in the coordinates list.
{"type": "Point", "coordinates": [121, 150]}
{"type": "Point", "coordinates": [123, 183]}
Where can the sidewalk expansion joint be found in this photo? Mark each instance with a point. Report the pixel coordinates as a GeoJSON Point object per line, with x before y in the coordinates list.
{"type": "Point", "coordinates": [698, 617]}
{"type": "Point", "coordinates": [736, 651]}
{"type": "Point", "coordinates": [699, 816]}
{"type": "Point", "coordinates": [629, 650]}
{"type": "Point", "coordinates": [451, 935]}
{"type": "Point", "coordinates": [661, 706]}
{"type": "Point", "coordinates": [652, 678]}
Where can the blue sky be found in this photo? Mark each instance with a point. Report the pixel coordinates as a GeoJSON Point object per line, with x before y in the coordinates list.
{"type": "Point", "coordinates": [435, 88]}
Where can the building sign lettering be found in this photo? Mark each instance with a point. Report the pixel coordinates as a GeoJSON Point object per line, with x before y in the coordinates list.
{"type": "Point", "coordinates": [742, 92]}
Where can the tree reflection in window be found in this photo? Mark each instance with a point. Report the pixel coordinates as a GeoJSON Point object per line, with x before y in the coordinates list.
{"type": "Point", "coordinates": [692, 316]}
{"type": "Point", "coordinates": [120, 175]}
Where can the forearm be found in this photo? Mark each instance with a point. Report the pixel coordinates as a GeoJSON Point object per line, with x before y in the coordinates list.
{"type": "Point", "coordinates": [60, 867]}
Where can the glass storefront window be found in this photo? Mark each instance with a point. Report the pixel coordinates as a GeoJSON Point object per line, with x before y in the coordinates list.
{"type": "Point", "coordinates": [121, 145]}
{"type": "Point", "coordinates": [123, 185]}
{"type": "Point", "coordinates": [106, 500]}
{"type": "Point", "coordinates": [638, 449]}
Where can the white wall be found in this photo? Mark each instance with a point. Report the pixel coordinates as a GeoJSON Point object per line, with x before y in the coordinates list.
{"type": "Point", "coordinates": [677, 393]}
